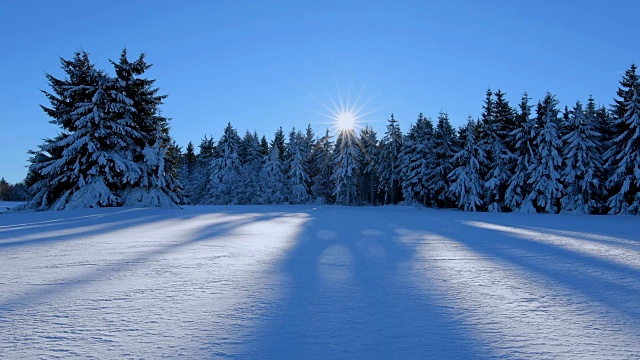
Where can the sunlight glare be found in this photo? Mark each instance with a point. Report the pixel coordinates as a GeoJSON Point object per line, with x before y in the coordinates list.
{"type": "Point", "coordinates": [346, 120]}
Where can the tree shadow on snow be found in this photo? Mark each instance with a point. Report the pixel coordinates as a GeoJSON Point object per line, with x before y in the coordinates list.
{"type": "Point", "coordinates": [350, 295]}
{"type": "Point", "coordinates": [210, 232]}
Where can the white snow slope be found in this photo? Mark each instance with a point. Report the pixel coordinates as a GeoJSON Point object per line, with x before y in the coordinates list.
{"type": "Point", "coordinates": [305, 282]}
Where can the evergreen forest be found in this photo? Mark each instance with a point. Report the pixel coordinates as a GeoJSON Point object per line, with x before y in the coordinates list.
{"type": "Point", "coordinates": [114, 148]}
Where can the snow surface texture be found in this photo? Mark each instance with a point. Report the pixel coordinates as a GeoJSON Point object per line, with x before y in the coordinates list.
{"type": "Point", "coordinates": [317, 282]}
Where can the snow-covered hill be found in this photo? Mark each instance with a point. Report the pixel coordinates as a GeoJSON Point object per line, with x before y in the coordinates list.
{"type": "Point", "coordinates": [317, 282]}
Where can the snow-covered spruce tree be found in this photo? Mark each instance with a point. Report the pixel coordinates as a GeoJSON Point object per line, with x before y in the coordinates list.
{"type": "Point", "coordinates": [623, 157]}
{"type": "Point", "coordinates": [439, 167]}
{"type": "Point", "coordinates": [582, 161]}
{"type": "Point", "coordinates": [545, 180]}
{"type": "Point", "coordinates": [279, 142]}
{"type": "Point", "coordinates": [346, 172]}
{"type": "Point", "coordinates": [272, 183]}
{"type": "Point", "coordinates": [523, 137]}
{"type": "Point", "coordinates": [252, 162]}
{"type": "Point", "coordinates": [466, 183]}
{"type": "Point", "coordinates": [197, 189]}
{"type": "Point", "coordinates": [389, 170]}
{"type": "Point", "coordinates": [417, 150]}
{"type": "Point", "coordinates": [322, 158]}
{"type": "Point", "coordinates": [90, 162]}
{"type": "Point", "coordinates": [368, 165]}
{"type": "Point", "coordinates": [226, 170]}
{"type": "Point", "coordinates": [493, 129]}
{"type": "Point", "coordinates": [158, 184]}
{"type": "Point", "coordinates": [187, 172]}
{"type": "Point", "coordinates": [297, 174]}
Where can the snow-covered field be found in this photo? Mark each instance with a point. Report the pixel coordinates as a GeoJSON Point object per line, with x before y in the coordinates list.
{"type": "Point", "coordinates": [7, 205]}
{"type": "Point", "coordinates": [318, 282]}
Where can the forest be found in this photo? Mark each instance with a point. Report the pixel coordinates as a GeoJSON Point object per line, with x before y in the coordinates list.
{"type": "Point", "coordinates": [114, 148]}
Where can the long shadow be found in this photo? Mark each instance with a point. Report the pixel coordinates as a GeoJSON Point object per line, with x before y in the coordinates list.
{"type": "Point", "coordinates": [572, 270]}
{"type": "Point", "coordinates": [350, 295]}
{"type": "Point", "coordinates": [99, 273]}
{"type": "Point", "coordinates": [68, 229]}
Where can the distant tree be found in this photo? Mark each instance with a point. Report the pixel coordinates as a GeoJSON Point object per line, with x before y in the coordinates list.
{"type": "Point", "coordinates": [388, 169]}
{"type": "Point", "coordinates": [5, 190]}
{"type": "Point", "coordinates": [369, 165]}
{"type": "Point", "coordinates": [273, 182]}
{"type": "Point", "coordinates": [297, 173]}
{"type": "Point", "coordinates": [252, 163]}
{"type": "Point", "coordinates": [279, 142]}
{"type": "Point", "coordinates": [322, 158]}
{"type": "Point", "coordinates": [226, 170]}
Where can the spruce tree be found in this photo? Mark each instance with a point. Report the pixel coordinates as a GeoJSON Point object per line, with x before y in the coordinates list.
{"type": "Point", "coordinates": [226, 170]}
{"type": "Point", "coordinates": [158, 184]}
{"type": "Point", "coordinates": [346, 172]}
{"type": "Point", "coordinates": [623, 157]}
{"type": "Point", "coordinates": [322, 159]}
{"type": "Point", "coordinates": [440, 166]}
{"type": "Point", "coordinates": [252, 161]}
{"type": "Point", "coordinates": [524, 135]}
{"type": "Point", "coordinates": [297, 174]}
{"type": "Point", "coordinates": [581, 175]}
{"type": "Point", "coordinates": [545, 180]}
{"type": "Point", "coordinates": [91, 161]}
{"type": "Point", "coordinates": [495, 124]}
{"type": "Point", "coordinates": [389, 170]}
{"type": "Point", "coordinates": [272, 186]}
{"type": "Point", "coordinates": [466, 183]}
{"type": "Point", "coordinates": [417, 150]}
{"type": "Point", "coordinates": [369, 165]}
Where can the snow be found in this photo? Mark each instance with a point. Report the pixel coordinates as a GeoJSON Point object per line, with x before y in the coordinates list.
{"type": "Point", "coordinates": [317, 282]}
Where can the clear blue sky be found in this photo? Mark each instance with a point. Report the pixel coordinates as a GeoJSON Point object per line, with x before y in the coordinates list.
{"type": "Point", "coordinates": [261, 65]}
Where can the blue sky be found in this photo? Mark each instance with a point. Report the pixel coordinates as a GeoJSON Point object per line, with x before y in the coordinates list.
{"type": "Point", "coordinates": [261, 65]}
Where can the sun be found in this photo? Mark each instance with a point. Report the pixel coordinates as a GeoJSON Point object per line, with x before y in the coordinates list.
{"type": "Point", "coordinates": [346, 120]}
{"type": "Point", "coordinates": [345, 114]}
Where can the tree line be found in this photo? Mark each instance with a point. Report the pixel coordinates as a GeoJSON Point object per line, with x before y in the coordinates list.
{"type": "Point", "coordinates": [114, 149]}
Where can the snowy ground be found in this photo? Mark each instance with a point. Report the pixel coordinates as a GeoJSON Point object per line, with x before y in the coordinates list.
{"type": "Point", "coordinates": [318, 282]}
{"type": "Point", "coordinates": [6, 205]}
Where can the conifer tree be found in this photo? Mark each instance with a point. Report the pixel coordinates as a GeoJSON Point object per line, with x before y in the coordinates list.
{"type": "Point", "coordinates": [272, 176]}
{"type": "Point", "coordinates": [369, 165]}
{"type": "Point", "coordinates": [252, 161]}
{"type": "Point", "coordinates": [346, 172]}
{"type": "Point", "coordinates": [582, 161]}
{"type": "Point", "coordinates": [389, 170]}
{"type": "Point", "coordinates": [297, 174]}
{"type": "Point", "coordinates": [545, 181]}
{"type": "Point", "coordinates": [158, 184]}
{"type": "Point", "coordinates": [90, 161]}
{"type": "Point", "coordinates": [226, 170]}
{"type": "Point", "coordinates": [416, 162]}
{"type": "Point", "coordinates": [623, 157]}
{"type": "Point", "coordinates": [439, 165]}
{"type": "Point", "coordinates": [516, 195]}
{"type": "Point", "coordinates": [322, 159]}
{"type": "Point", "coordinates": [187, 172]}
{"type": "Point", "coordinates": [466, 183]}
{"type": "Point", "coordinates": [279, 142]}
{"type": "Point", "coordinates": [496, 121]}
